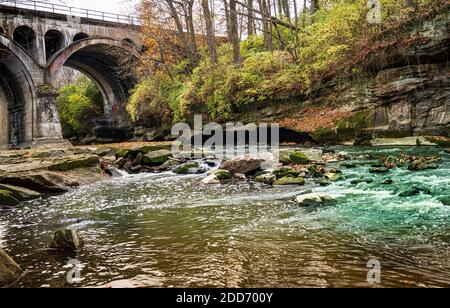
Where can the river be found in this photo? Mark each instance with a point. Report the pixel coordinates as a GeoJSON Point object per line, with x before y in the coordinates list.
{"type": "Point", "coordinates": [165, 230]}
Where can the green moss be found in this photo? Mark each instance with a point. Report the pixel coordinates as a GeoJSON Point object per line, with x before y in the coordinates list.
{"type": "Point", "coordinates": [222, 174]}
{"type": "Point", "coordinates": [286, 171]}
{"type": "Point", "coordinates": [75, 163]}
{"type": "Point", "coordinates": [299, 158]}
{"type": "Point", "coordinates": [7, 198]}
{"type": "Point", "coordinates": [122, 153]}
{"type": "Point", "coordinates": [290, 181]}
{"type": "Point", "coordinates": [186, 168]}
{"type": "Point", "coordinates": [324, 135]}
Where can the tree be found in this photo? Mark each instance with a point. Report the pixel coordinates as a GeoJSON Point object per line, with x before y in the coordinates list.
{"type": "Point", "coordinates": [209, 31]}
{"type": "Point", "coordinates": [234, 33]}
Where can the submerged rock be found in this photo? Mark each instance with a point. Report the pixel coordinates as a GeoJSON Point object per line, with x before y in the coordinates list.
{"type": "Point", "coordinates": [211, 179]}
{"type": "Point", "coordinates": [42, 182]}
{"type": "Point", "coordinates": [241, 165]}
{"type": "Point", "coordinates": [414, 191]}
{"type": "Point", "coordinates": [20, 193]}
{"type": "Point", "coordinates": [7, 198]}
{"type": "Point", "coordinates": [379, 170]}
{"type": "Point", "coordinates": [361, 180]}
{"type": "Point", "coordinates": [314, 199]}
{"type": "Point", "coordinates": [10, 271]}
{"type": "Point", "coordinates": [290, 181]}
{"type": "Point", "coordinates": [67, 240]}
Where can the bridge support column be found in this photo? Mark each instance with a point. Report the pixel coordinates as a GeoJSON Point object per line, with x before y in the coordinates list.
{"type": "Point", "coordinates": [47, 125]}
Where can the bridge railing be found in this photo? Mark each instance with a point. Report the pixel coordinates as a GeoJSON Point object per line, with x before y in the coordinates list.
{"type": "Point", "coordinates": [40, 6]}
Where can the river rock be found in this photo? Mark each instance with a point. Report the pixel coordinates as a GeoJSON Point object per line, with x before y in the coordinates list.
{"type": "Point", "coordinates": [333, 176]}
{"type": "Point", "coordinates": [7, 198]}
{"type": "Point", "coordinates": [290, 181]}
{"type": "Point", "coordinates": [419, 165]}
{"type": "Point", "coordinates": [74, 162]}
{"type": "Point", "coordinates": [67, 240]}
{"type": "Point", "coordinates": [414, 191]}
{"type": "Point", "coordinates": [379, 170]}
{"type": "Point", "coordinates": [20, 193]}
{"type": "Point", "coordinates": [286, 171]}
{"type": "Point", "coordinates": [266, 178]}
{"type": "Point", "coordinates": [42, 182]}
{"type": "Point", "coordinates": [314, 199]}
{"type": "Point", "coordinates": [156, 157]}
{"type": "Point", "coordinates": [222, 175]}
{"type": "Point", "coordinates": [144, 149]}
{"type": "Point", "coordinates": [10, 271]}
{"type": "Point", "coordinates": [211, 179]}
{"type": "Point", "coordinates": [189, 168]}
{"type": "Point", "coordinates": [241, 165]}
{"type": "Point", "coordinates": [122, 153]}
{"type": "Point", "coordinates": [102, 151]}
{"type": "Point", "coordinates": [120, 162]}
{"type": "Point", "coordinates": [447, 151]}
{"type": "Point", "coordinates": [361, 180]}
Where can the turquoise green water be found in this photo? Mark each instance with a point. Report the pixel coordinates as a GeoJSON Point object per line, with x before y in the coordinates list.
{"type": "Point", "coordinates": [167, 230]}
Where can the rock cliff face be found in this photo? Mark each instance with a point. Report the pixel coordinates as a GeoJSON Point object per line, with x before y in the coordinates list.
{"type": "Point", "coordinates": [408, 96]}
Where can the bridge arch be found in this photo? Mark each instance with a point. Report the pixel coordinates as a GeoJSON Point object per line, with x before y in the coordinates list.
{"type": "Point", "coordinates": [102, 60]}
{"type": "Point", "coordinates": [17, 94]}
{"type": "Point", "coordinates": [80, 36]}
{"type": "Point", "coordinates": [26, 38]}
{"type": "Point", "coordinates": [54, 42]}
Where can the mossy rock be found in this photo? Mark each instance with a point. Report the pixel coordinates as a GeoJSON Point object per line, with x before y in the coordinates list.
{"type": "Point", "coordinates": [102, 151]}
{"type": "Point", "coordinates": [188, 168]}
{"type": "Point", "coordinates": [138, 159]}
{"type": "Point", "coordinates": [290, 181]}
{"type": "Point", "coordinates": [122, 153]}
{"type": "Point", "coordinates": [7, 198]}
{"type": "Point", "coordinates": [156, 157]}
{"type": "Point", "coordinates": [75, 163]}
{"type": "Point", "coordinates": [67, 240]}
{"type": "Point", "coordinates": [20, 193]}
{"type": "Point", "coordinates": [361, 180]}
{"type": "Point", "coordinates": [149, 148]}
{"type": "Point", "coordinates": [299, 158]}
{"type": "Point", "coordinates": [286, 171]}
{"type": "Point", "coordinates": [266, 178]}
{"type": "Point", "coordinates": [444, 199]}
{"type": "Point", "coordinates": [222, 175]}
{"type": "Point", "coordinates": [50, 153]}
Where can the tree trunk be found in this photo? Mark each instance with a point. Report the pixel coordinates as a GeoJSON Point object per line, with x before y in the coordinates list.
{"type": "Point", "coordinates": [209, 31]}
{"type": "Point", "coordinates": [251, 19]}
{"type": "Point", "coordinates": [314, 6]}
{"type": "Point", "coordinates": [227, 20]}
{"type": "Point", "coordinates": [234, 33]}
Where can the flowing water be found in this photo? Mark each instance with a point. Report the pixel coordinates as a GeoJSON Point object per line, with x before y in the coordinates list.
{"type": "Point", "coordinates": [165, 230]}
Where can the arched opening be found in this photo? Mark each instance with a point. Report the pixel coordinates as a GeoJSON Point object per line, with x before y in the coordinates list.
{"type": "Point", "coordinates": [76, 88]}
{"type": "Point", "coordinates": [2, 31]}
{"type": "Point", "coordinates": [25, 37]}
{"type": "Point", "coordinates": [101, 60]}
{"type": "Point", "coordinates": [15, 101]}
{"type": "Point", "coordinates": [80, 36]}
{"type": "Point", "coordinates": [54, 42]}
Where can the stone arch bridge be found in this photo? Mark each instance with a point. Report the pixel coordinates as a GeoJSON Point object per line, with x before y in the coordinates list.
{"type": "Point", "coordinates": [36, 41]}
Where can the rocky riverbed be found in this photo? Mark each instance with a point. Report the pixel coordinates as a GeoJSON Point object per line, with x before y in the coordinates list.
{"type": "Point", "coordinates": [36, 185]}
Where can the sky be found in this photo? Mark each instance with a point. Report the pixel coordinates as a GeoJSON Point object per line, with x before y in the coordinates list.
{"type": "Point", "coordinates": [113, 6]}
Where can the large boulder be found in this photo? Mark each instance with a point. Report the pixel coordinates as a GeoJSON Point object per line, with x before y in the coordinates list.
{"type": "Point", "coordinates": [290, 181]}
{"type": "Point", "coordinates": [75, 162]}
{"type": "Point", "coordinates": [156, 157]}
{"type": "Point", "coordinates": [10, 271]}
{"type": "Point", "coordinates": [314, 199]}
{"type": "Point", "coordinates": [67, 240]}
{"type": "Point", "coordinates": [144, 149]}
{"type": "Point", "coordinates": [286, 171]}
{"type": "Point", "coordinates": [241, 165]}
{"type": "Point", "coordinates": [42, 182]}
{"type": "Point", "coordinates": [20, 193]}
{"type": "Point", "coordinates": [7, 198]}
